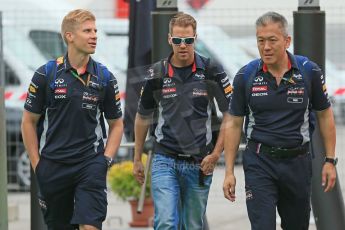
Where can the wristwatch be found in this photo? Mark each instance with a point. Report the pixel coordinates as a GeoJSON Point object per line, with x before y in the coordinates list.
{"type": "Point", "coordinates": [110, 161]}
{"type": "Point", "coordinates": [333, 161]}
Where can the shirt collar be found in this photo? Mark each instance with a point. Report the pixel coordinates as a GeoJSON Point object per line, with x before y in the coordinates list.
{"type": "Point", "coordinates": [291, 63]}
{"type": "Point", "coordinates": [197, 64]}
{"type": "Point", "coordinates": [89, 67]}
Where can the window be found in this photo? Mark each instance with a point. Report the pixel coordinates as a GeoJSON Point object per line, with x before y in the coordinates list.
{"type": "Point", "coordinates": [49, 43]}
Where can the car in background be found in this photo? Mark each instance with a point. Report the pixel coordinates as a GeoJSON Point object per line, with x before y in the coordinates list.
{"type": "Point", "coordinates": [20, 58]}
{"type": "Point", "coordinates": [30, 40]}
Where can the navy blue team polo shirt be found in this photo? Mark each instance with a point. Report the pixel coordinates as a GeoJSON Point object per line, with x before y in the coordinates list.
{"type": "Point", "coordinates": [71, 125]}
{"type": "Point", "coordinates": [183, 104]}
{"type": "Point", "coordinates": [279, 115]}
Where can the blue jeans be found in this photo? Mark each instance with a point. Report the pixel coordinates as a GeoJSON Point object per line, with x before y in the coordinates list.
{"type": "Point", "coordinates": [179, 199]}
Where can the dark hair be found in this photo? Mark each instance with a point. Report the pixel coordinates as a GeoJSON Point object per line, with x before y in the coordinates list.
{"type": "Point", "coordinates": [273, 17]}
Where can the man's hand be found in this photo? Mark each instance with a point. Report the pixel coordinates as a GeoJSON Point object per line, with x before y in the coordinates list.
{"type": "Point", "coordinates": [34, 165]}
{"type": "Point", "coordinates": [209, 163]}
{"type": "Point", "coordinates": [329, 174]}
{"type": "Point", "coordinates": [229, 187]}
{"type": "Point", "coordinates": [138, 171]}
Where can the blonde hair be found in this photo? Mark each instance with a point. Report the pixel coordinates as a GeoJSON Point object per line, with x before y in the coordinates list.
{"type": "Point", "coordinates": [183, 20]}
{"type": "Point", "coordinates": [73, 19]}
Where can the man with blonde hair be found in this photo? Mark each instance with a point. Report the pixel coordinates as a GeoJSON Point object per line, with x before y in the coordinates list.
{"type": "Point", "coordinates": [181, 89]}
{"type": "Point", "coordinates": [63, 129]}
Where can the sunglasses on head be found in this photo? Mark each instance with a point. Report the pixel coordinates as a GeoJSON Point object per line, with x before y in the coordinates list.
{"type": "Point", "coordinates": [178, 41]}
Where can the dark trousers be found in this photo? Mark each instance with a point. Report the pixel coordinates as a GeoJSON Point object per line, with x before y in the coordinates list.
{"type": "Point", "coordinates": [282, 184]}
{"type": "Point", "coordinates": [73, 194]}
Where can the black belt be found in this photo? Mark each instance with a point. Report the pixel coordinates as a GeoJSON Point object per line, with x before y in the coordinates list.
{"type": "Point", "coordinates": [184, 157]}
{"type": "Point", "coordinates": [278, 152]}
{"type": "Point", "coordinates": [191, 157]}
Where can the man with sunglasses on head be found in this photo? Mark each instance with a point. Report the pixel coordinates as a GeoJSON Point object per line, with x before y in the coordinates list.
{"type": "Point", "coordinates": [279, 94]}
{"type": "Point", "coordinates": [62, 129]}
{"type": "Point", "coordinates": [181, 89]}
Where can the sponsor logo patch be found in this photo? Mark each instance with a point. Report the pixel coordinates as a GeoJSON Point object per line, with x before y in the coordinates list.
{"type": "Point", "coordinates": [60, 96]}
{"type": "Point", "coordinates": [262, 88]}
{"type": "Point", "coordinates": [61, 91]}
{"type": "Point", "coordinates": [89, 97]}
{"type": "Point", "coordinates": [228, 89]}
{"type": "Point", "coordinates": [167, 80]}
{"type": "Point", "coordinates": [150, 72]}
{"type": "Point", "coordinates": [199, 92]}
{"type": "Point", "coordinates": [225, 79]}
{"type": "Point", "coordinates": [88, 106]}
{"type": "Point", "coordinates": [34, 85]}
{"type": "Point", "coordinates": [297, 76]}
{"type": "Point", "coordinates": [199, 76]}
{"type": "Point", "coordinates": [258, 79]}
{"type": "Point", "coordinates": [169, 95]}
{"type": "Point", "coordinates": [259, 94]}
{"type": "Point", "coordinates": [227, 83]}
{"type": "Point", "coordinates": [59, 81]}
{"type": "Point", "coordinates": [32, 89]}
{"type": "Point", "coordinates": [295, 91]}
{"type": "Point", "coordinates": [168, 90]}
{"type": "Point", "coordinates": [295, 100]}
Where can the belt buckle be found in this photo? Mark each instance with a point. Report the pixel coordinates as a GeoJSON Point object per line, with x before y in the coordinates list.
{"type": "Point", "coordinates": [274, 151]}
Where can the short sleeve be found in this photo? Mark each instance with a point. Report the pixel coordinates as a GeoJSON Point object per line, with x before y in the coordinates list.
{"type": "Point", "coordinates": [111, 102]}
{"type": "Point", "coordinates": [319, 95]}
{"type": "Point", "coordinates": [222, 90]}
{"type": "Point", "coordinates": [149, 97]}
{"type": "Point", "coordinates": [238, 105]}
{"type": "Point", "coordinates": [36, 95]}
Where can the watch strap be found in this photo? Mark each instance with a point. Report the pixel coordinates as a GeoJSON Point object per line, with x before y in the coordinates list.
{"type": "Point", "coordinates": [333, 161]}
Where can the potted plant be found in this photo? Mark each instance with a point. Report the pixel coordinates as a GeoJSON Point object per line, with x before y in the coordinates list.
{"type": "Point", "coordinates": [123, 184]}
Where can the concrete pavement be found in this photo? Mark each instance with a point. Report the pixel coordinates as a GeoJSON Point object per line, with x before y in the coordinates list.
{"type": "Point", "coordinates": [221, 214]}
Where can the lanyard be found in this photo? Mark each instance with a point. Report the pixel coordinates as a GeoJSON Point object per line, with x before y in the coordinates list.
{"type": "Point", "coordinates": [80, 79]}
{"type": "Point", "coordinates": [289, 79]}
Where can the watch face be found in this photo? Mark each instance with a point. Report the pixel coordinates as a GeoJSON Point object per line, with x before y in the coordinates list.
{"type": "Point", "coordinates": [109, 160]}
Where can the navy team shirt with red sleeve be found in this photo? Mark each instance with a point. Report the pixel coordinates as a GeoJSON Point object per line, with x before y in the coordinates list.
{"type": "Point", "coordinates": [279, 115]}
{"type": "Point", "coordinates": [71, 120]}
{"type": "Point", "coordinates": [182, 99]}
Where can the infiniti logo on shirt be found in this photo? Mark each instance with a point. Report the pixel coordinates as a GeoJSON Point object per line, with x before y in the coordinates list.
{"type": "Point", "coordinates": [167, 80]}
{"type": "Point", "coordinates": [258, 79]}
{"type": "Point", "coordinates": [59, 81]}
